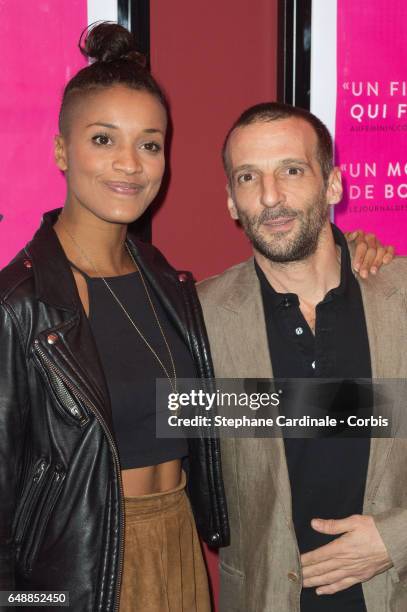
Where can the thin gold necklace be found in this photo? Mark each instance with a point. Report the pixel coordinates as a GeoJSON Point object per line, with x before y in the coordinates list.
{"type": "Point", "coordinates": [172, 380]}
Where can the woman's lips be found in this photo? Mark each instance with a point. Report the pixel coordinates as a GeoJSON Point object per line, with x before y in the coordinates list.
{"type": "Point", "coordinates": [124, 188]}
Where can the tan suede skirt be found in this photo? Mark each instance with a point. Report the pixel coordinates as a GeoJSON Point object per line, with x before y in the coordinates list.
{"type": "Point", "coordinates": [163, 570]}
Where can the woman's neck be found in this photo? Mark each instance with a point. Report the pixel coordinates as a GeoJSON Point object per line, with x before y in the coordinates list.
{"type": "Point", "coordinates": [96, 246]}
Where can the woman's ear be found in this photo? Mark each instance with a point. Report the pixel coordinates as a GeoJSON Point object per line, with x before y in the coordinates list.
{"type": "Point", "coordinates": [60, 152]}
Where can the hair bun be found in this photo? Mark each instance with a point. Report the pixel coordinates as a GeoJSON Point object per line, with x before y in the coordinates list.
{"type": "Point", "coordinates": [109, 42]}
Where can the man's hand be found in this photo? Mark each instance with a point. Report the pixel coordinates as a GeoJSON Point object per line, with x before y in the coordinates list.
{"type": "Point", "coordinates": [370, 254]}
{"type": "Point", "coordinates": [358, 555]}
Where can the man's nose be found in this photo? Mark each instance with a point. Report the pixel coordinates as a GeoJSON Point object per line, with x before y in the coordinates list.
{"type": "Point", "coordinates": [128, 161]}
{"type": "Point", "coordinates": [271, 193]}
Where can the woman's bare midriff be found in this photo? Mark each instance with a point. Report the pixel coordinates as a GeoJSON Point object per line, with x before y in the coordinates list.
{"type": "Point", "coordinates": [151, 479]}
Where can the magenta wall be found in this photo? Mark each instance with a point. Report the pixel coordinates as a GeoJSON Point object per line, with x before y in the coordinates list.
{"type": "Point", "coordinates": [38, 47]}
{"type": "Point", "coordinates": [371, 118]}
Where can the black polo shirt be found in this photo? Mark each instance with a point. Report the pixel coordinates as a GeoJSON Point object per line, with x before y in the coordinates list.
{"type": "Point", "coordinates": [327, 475]}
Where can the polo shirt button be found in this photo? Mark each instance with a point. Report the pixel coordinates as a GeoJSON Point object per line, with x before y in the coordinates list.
{"type": "Point", "coordinates": [299, 331]}
{"type": "Point", "coordinates": [293, 577]}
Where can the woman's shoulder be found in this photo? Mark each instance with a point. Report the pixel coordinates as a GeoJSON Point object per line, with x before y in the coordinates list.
{"type": "Point", "coordinates": [153, 257]}
{"type": "Point", "coordinates": [17, 280]}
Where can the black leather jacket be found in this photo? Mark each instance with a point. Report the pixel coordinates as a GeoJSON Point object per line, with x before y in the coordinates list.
{"type": "Point", "coordinates": [61, 499]}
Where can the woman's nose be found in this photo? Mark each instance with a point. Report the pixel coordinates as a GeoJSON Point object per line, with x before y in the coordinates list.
{"type": "Point", "coordinates": [128, 161]}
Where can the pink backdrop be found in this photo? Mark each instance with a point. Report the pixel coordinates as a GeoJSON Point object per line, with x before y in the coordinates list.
{"type": "Point", "coordinates": [371, 117]}
{"type": "Point", "coordinates": [39, 54]}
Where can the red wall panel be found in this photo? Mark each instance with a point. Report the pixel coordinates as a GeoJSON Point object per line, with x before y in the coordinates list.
{"type": "Point", "coordinates": [214, 59]}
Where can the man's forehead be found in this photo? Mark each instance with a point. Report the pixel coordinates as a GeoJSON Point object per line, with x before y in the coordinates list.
{"type": "Point", "coordinates": [273, 137]}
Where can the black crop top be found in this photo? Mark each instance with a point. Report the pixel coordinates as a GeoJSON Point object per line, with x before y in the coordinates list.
{"type": "Point", "coordinates": [130, 367]}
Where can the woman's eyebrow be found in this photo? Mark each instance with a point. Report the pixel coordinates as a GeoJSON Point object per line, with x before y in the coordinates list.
{"type": "Point", "coordinates": [116, 127]}
{"type": "Point", "coordinates": [101, 124]}
{"type": "Point", "coordinates": [153, 131]}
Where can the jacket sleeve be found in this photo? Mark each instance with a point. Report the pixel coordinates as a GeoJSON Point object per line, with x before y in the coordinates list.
{"type": "Point", "coordinates": [13, 399]}
{"type": "Point", "coordinates": [392, 526]}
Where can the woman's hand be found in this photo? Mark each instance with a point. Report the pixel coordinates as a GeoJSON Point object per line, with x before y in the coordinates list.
{"type": "Point", "coordinates": [369, 254]}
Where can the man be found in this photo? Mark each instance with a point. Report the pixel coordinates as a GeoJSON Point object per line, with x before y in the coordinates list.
{"type": "Point", "coordinates": [316, 525]}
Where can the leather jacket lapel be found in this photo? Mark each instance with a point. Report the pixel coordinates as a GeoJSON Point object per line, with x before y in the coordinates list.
{"type": "Point", "coordinates": [69, 346]}
{"type": "Point", "coordinates": [69, 352]}
{"type": "Point", "coordinates": [53, 277]}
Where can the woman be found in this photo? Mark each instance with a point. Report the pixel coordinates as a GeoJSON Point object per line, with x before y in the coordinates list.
{"type": "Point", "coordinates": [90, 318]}
{"type": "Point", "coordinates": [92, 503]}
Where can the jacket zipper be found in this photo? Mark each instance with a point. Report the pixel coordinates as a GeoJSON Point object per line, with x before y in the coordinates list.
{"type": "Point", "coordinates": [62, 393]}
{"type": "Point", "coordinates": [105, 428]}
{"type": "Point", "coordinates": [50, 498]}
{"type": "Point", "coordinates": [37, 481]}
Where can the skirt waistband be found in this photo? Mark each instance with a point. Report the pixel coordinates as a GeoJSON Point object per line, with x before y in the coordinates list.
{"type": "Point", "coordinates": [143, 506]}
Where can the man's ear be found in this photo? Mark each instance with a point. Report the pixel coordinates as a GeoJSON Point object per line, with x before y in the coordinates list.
{"type": "Point", "coordinates": [60, 153]}
{"type": "Point", "coordinates": [231, 205]}
{"type": "Point", "coordinates": [334, 190]}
